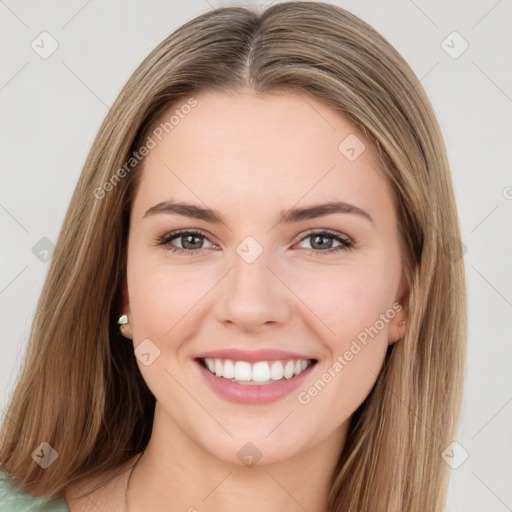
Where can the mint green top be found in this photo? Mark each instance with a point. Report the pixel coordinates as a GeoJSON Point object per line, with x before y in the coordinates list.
{"type": "Point", "coordinates": [12, 499]}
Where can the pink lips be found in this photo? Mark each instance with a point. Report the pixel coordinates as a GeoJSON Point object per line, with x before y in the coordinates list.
{"type": "Point", "coordinates": [252, 394]}
{"type": "Point", "coordinates": [252, 356]}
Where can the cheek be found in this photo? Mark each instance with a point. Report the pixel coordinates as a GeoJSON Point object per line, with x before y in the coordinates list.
{"type": "Point", "coordinates": [163, 295]}
{"type": "Point", "coordinates": [349, 298]}
{"type": "Point", "coordinates": [341, 387]}
{"type": "Point", "coordinates": [355, 302]}
{"type": "Point", "coordinates": [163, 298]}
{"type": "Point", "coordinates": [355, 305]}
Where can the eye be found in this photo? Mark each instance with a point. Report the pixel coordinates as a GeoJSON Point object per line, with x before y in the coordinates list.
{"type": "Point", "coordinates": [322, 241]}
{"type": "Point", "coordinates": [190, 241]}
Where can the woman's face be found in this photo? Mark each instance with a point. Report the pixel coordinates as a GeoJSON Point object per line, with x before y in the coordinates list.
{"type": "Point", "coordinates": [271, 274]}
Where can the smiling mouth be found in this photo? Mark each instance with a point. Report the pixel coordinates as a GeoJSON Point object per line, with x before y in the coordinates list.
{"type": "Point", "coordinates": [256, 373]}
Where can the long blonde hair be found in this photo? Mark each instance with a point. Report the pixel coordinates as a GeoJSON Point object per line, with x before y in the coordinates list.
{"type": "Point", "coordinates": [80, 389]}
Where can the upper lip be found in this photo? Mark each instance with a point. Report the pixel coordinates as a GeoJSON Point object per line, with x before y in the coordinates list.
{"type": "Point", "coordinates": [252, 356]}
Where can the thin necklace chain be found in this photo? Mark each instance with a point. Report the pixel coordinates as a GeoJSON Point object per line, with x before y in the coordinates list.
{"type": "Point", "coordinates": [128, 483]}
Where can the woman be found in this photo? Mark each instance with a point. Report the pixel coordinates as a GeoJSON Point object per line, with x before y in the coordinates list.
{"type": "Point", "coordinates": [257, 296]}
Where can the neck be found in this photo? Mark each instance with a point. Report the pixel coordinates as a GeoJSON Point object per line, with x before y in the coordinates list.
{"type": "Point", "coordinates": [175, 474]}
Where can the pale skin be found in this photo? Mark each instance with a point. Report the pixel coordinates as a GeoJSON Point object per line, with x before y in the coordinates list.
{"type": "Point", "coordinates": [250, 158]}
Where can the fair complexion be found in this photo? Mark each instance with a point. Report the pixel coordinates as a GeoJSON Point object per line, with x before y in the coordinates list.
{"type": "Point", "coordinates": [251, 158]}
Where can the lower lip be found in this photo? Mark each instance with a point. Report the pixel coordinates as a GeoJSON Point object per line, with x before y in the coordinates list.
{"type": "Point", "coordinates": [253, 394]}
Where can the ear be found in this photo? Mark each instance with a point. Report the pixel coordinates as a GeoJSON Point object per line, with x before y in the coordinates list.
{"type": "Point", "coordinates": [400, 322]}
{"type": "Point", "coordinates": [126, 329]}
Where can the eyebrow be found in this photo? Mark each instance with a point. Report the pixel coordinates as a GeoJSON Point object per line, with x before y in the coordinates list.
{"type": "Point", "coordinates": [292, 215]}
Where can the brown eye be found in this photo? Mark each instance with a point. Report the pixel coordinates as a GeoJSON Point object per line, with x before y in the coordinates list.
{"type": "Point", "coordinates": [189, 241]}
{"type": "Point", "coordinates": [323, 242]}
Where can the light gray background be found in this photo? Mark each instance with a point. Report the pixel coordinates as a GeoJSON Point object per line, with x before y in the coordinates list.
{"type": "Point", "coordinates": [52, 108]}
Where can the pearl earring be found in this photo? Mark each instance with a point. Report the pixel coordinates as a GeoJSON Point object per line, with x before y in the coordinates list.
{"type": "Point", "coordinates": [123, 319]}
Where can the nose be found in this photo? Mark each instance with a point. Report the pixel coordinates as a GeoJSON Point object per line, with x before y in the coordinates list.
{"type": "Point", "coordinates": [253, 298]}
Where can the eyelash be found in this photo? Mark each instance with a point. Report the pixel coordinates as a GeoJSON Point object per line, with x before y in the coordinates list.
{"type": "Point", "coordinates": [346, 243]}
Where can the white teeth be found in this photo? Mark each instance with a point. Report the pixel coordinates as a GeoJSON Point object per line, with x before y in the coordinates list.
{"type": "Point", "coordinates": [276, 371]}
{"type": "Point", "coordinates": [262, 372]}
{"type": "Point", "coordinates": [218, 367]}
{"type": "Point", "coordinates": [228, 372]}
{"type": "Point", "coordinates": [211, 364]}
{"type": "Point", "coordinates": [288, 369]}
{"type": "Point", "coordinates": [242, 370]}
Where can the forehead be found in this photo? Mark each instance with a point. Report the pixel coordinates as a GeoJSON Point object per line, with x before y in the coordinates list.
{"type": "Point", "coordinates": [249, 148]}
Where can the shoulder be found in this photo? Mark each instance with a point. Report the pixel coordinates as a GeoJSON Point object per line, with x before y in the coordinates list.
{"type": "Point", "coordinates": [14, 499]}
